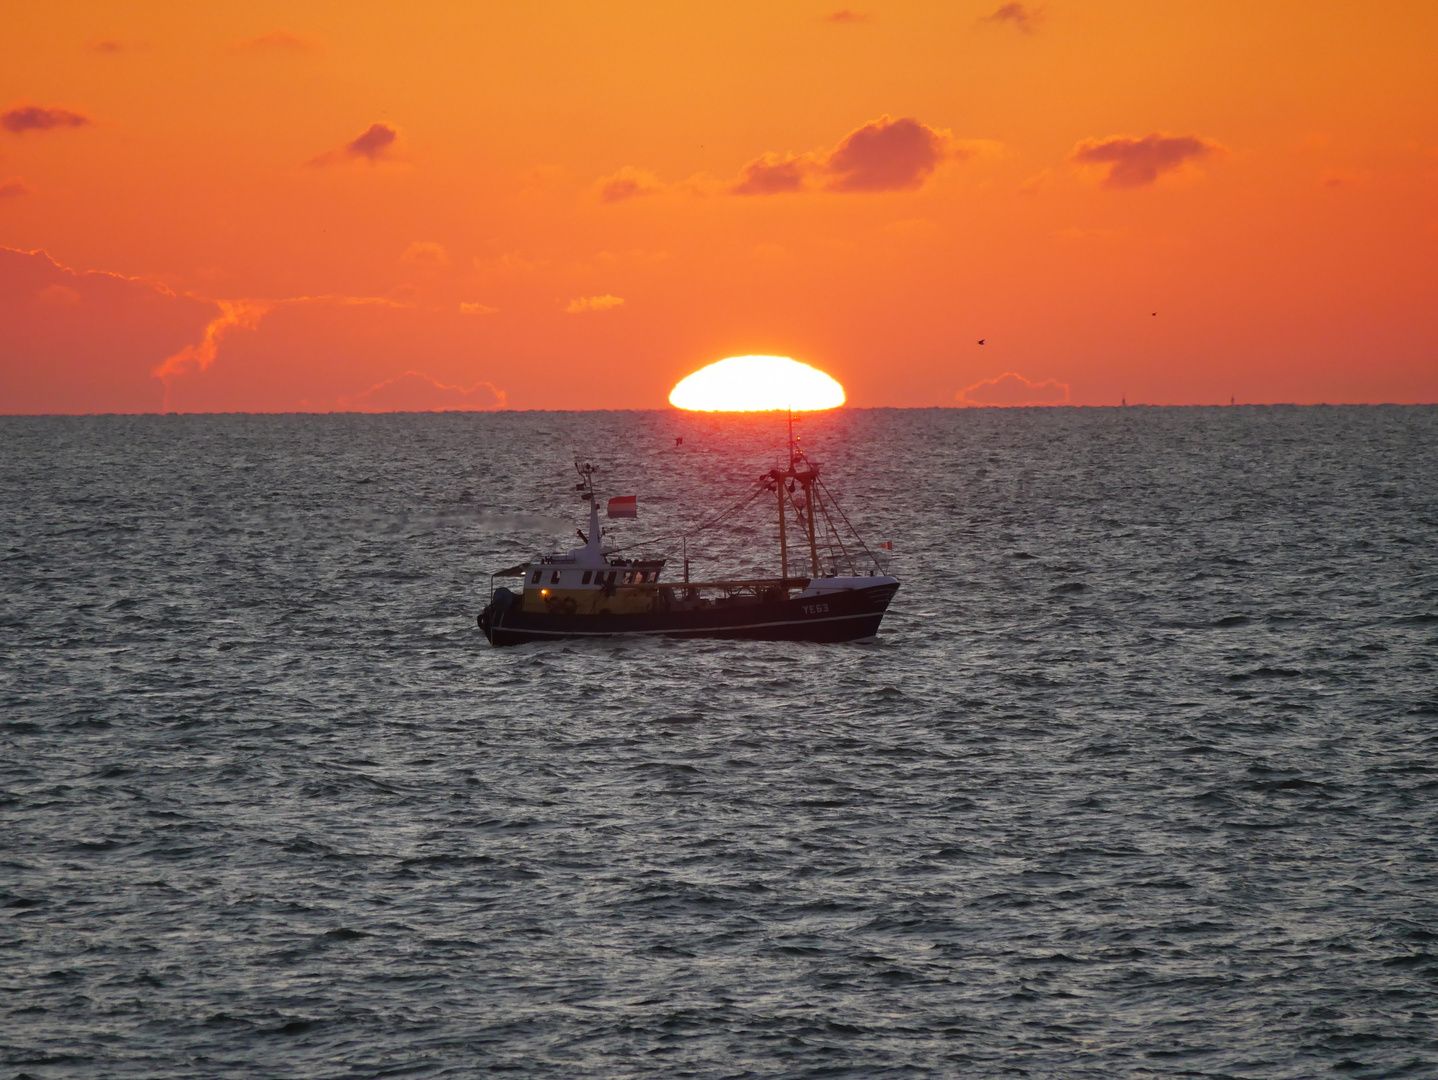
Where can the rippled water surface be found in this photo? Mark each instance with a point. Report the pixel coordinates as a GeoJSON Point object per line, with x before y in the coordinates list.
{"type": "Point", "coordinates": [1139, 779]}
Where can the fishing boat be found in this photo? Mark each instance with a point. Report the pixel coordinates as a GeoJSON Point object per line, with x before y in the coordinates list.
{"type": "Point", "coordinates": [594, 591]}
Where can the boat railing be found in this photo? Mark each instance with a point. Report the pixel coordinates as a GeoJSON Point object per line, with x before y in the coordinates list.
{"type": "Point", "coordinates": [733, 586]}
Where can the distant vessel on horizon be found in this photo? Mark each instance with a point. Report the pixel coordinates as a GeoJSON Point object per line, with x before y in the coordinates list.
{"type": "Point", "coordinates": [591, 592]}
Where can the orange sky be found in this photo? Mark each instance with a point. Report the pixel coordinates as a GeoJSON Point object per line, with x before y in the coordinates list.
{"type": "Point", "coordinates": [305, 205]}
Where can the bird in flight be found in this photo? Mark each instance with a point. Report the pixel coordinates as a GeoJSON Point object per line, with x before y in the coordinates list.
{"type": "Point", "coordinates": [981, 341]}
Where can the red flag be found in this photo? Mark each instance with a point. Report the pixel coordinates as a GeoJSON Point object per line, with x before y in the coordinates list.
{"type": "Point", "coordinates": [624, 506]}
{"type": "Point", "coordinates": [887, 544]}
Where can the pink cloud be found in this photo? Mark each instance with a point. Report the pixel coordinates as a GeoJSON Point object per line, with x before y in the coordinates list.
{"type": "Point", "coordinates": [75, 341]}
{"type": "Point", "coordinates": [844, 15]}
{"type": "Point", "coordinates": [886, 155]}
{"type": "Point", "coordinates": [372, 145]}
{"type": "Point", "coordinates": [1021, 16]}
{"type": "Point", "coordinates": [416, 392]}
{"type": "Point", "coordinates": [234, 314]}
{"type": "Point", "coordinates": [279, 41]}
{"type": "Point", "coordinates": [1012, 389]}
{"type": "Point", "coordinates": [774, 174]}
{"type": "Point", "coordinates": [425, 253]}
{"type": "Point", "coordinates": [1139, 162]}
{"type": "Point", "coordinates": [581, 304]}
{"type": "Point", "coordinates": [60, 294]}
{"type": "Point", "coordinates": [882, 155]}
{"type": "Point", "coordinates": [83, 341]}
{"type": "Point", "coordinates": [14, 188]}
{"type": "Point", "coordinates": [23, 118]}
{"type": "Point", "coordinates": [628, 183]}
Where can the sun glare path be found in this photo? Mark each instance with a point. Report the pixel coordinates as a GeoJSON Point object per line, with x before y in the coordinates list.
{"type": "Point", "coordinates": [757, 383]}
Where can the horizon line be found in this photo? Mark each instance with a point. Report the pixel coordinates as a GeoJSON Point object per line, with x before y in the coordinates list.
{"type": "Point", "coordinates": [749, 412]}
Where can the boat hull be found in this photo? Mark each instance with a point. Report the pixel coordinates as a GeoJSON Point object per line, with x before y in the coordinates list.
{"type": "Point", "coordinates": [836, 616]}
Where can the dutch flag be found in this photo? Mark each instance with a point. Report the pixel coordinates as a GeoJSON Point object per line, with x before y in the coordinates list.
{"type": "Point", "coordinates": [624, 506]}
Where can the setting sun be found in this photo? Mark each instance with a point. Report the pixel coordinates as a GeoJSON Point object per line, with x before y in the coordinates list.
{"type": "Point", "coordinates": [755, 383]}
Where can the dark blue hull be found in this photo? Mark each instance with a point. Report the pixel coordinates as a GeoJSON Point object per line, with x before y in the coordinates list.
{"type": "Point", "coordinates": [839, 616]}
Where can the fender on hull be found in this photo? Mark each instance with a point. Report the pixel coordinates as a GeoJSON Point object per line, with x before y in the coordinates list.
{"type": "Point", "coordinates": [838, 616]}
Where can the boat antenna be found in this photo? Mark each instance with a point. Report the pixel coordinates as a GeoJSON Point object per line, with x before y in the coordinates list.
{"type": "Point", "coordinates": [586, 477]}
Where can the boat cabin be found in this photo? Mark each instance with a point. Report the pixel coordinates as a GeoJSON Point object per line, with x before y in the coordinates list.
{"type": "Point", "coordinates": [565, 585]}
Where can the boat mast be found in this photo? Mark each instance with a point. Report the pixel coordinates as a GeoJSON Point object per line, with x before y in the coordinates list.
{"type": "Point", "coordinates": [811, 507]}
{"type": "Point", "coordinates": [782, 480]}
{"type": "Point", "coordinates": [783, 538]}
{"type": "Point", "coordinates": [806, 480]}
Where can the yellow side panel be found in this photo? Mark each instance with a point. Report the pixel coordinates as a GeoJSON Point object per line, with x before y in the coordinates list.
{"type": "Point", "coordinates": [589, 601]}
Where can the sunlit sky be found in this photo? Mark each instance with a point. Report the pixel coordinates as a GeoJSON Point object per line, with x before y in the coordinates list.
{"type": "Point", "coordinates": [304, 205]}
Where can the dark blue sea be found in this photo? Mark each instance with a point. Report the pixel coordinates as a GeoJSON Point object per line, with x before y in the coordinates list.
{"type": "Point", "coordinates": [1139, 779]}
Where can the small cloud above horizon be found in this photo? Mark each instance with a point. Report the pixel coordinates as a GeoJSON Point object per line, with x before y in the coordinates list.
{"type": "Point", "coordinates": [884, 155]}
{"type": "Point", "coordinates": [280, 41]}
{"type": "Point", "coordinates": [1138, 162]}
{"type": "Point", "coordinates": [476, 309]}
{"type": "Point", "coordinates": [14, 188]}
{"type": "Point", "coordinates": [372, 145]}
{"type": "Point", "coordinates": [1020, 16]}
{"type": "Point", "coordinates": [582, 304]}
{"type": "Point", "coordinates": [61, 295]}
{"type": "Point", "coordinates": [415, 391]}
{"type": "Point", "coordinates": [846, 15]}
{"type": "Point", "coordinates": [425, 253]}
{"type": "Point", "coordinates": [1012, 390]}
{"type": "Point", "coordinates": [111, 47]}
{"type": "Point", "coordinates": [23, 118]}
{"type": "Point", "coordinates": [628, 183]}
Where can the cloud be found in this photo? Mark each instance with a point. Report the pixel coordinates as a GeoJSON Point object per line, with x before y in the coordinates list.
{"type": "Point", "coordinates": [416, 392]}
{"type": "Point", "coordinates": [61, 295]}
{"type": "Point", "coordinates": [279, 41]}
{"type": "Point", "coordinates": [1139, 162]}
{"type": "Point", "coordinates": [373, 142]}
{"type": "Point", "coordinates": [1333, 178]}
{"type": "Point", "coordinates": [112, 47]}
{"type": "Point", "coordinates": [372, 145]}
{"type": "Point", "coordinates": [477, 309]}
{"type": "Point", "coordinates": [1021, 16]}
{"type": "Point", "coordinates": [1012, 389]}
{"type": "Point", "coordinates": [775, 174]}
{"type": "Point", "coordinates": [234, 314]}
{"type": "Point", "coordinates": [582, 304]}
{"type": "Point", "coordinates": [628, 183]}
{"type": "Point", "coordinates": [14, 188]}
{"type": "Point", "coordinates": [882, 155]}
{"type": "Point", "coordinates": [425, 253]}
{"type": "Point", "coordinates": [23, 118]}
{"type": "Point", "coordinates": [76, 341]}
{"type": "Point", "coordinates": [844, 15]}
{"type": "Point", "coordinates": [886, 155]}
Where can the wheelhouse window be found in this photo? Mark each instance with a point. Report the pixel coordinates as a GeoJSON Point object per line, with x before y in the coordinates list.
{"type": "Point", "coordinates": [536, 577]}
{"type": "Point", "coordinates": [587, 575]}
{"type": "Point", "coordinates": [554, 578]}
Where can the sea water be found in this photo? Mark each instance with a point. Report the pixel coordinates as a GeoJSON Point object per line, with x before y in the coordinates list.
{"type": "Point", "coordinates": [1140, 777]}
